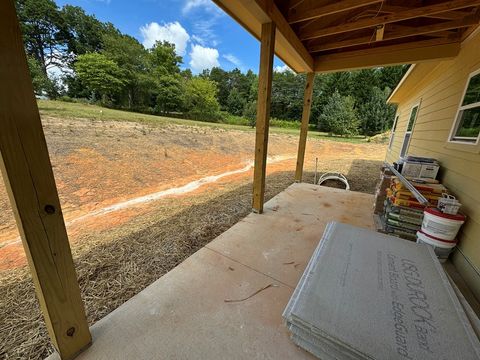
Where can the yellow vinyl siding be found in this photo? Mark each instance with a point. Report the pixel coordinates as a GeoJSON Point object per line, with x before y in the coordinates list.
{"type": "Point", "coordinates": [440, 92]}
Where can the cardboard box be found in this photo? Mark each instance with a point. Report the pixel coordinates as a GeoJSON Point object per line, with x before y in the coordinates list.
{"type": "Point", "coordinates": [420, 170]}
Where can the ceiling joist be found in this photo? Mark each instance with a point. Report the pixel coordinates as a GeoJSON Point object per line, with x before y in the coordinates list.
{"type": "Point", "coordinates": [385, 19]}
{"type": "Point", "coordinates": [446, 15]}
{"type": "Point", "coordinates": [400, 32]}
{"type": "Point", "coordinates": [303, 13]}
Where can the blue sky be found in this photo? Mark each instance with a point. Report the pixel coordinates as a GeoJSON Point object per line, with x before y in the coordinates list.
{"type": "Point", "coordinates": [203, 34]}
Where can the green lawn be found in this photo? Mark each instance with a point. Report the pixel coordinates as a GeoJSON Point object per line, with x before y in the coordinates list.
{"type": "Point", "coordinates": [78, 110]}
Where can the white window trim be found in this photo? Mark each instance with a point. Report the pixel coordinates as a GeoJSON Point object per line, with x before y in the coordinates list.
{"type": "Point", "coordinates": [456, 122]}
{"type": "Point", "coordinates": [417, 105]}
{"type": "Point", "coordinates": [394, 130]}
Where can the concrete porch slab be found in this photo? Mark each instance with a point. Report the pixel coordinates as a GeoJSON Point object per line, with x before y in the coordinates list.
{"type": "Point", "coordinates": [280, 242]}
{"type": "Point", "coordinates": [183, 315]}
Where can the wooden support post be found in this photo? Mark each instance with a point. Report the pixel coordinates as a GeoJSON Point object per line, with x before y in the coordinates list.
{"type": "Point", "coordinates": [307, 105]}
{"type": "Point", "coordinates": [263, 114]}
{"type": "Point", "coordinates": [28, 175]}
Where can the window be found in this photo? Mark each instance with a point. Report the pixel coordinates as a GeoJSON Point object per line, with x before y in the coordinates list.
{"type": "Point", "coordinates": [408, 132]}
{"type": "Point", "coordinates": [394, 128]}
{"type": "Point", "coordinates": [467, 125]}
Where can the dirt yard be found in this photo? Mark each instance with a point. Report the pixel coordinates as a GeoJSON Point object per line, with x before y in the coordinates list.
{"type": "Point", "coordinates": [138, 199]}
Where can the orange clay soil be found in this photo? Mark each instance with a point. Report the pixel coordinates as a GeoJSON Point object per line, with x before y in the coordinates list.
{"type": "Point", "coordinates": [98, 164]}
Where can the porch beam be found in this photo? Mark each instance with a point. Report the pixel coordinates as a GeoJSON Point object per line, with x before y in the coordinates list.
{"type": "Point", "coordinates": [386, 19]}
{"type": "Point", "coordinates": [314, 11]}
{"type": "Point", "coordinates": [26, 169]}
{"type": "Point", "coordinates": [307, 106]}
{"type": "Point", "coordinates": [265, 74]}
{"type": "Point", "coordinates": [389, 55]}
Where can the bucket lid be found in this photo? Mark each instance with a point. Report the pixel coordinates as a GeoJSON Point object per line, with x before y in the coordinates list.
{"type": "Point", "coordinates": [423, 234]}
{"type": "Point", "coordinates": [436, 212]}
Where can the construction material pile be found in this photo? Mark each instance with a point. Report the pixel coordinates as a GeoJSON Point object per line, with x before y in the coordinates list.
{"type": "Point", "coordinates": [416, 206]}
{"type": "Point", "coordinates": [366, 295]}
{"type": "Point", "coordinates": [399, 194]}
{"type": "Point", "coordinates": [403, 212]}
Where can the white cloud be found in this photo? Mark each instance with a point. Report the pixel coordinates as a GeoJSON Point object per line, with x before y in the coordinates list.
{"type": "Point", "coordinates": [173, 32]}
{"type": "Point", "coordinates": [198, 40]}
{"type": "Point", "coordinates": [205, 15]}
{"type": "Point", "coordinates": [204, 32]}
{"type": "Point", "coordinates": [202, 58]}
{"type": "Point", "coordinates": [233, 59]}
{"type": "Point", "coordinates": [282, 68]}
{"type": "Point", "coordinates": [202, 4]}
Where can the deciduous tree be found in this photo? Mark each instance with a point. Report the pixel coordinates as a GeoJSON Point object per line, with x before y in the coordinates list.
{"type": "Point", "coordinates": [45, 33]}
{"type": "Point", "coordinates": [201, 99]}
{"type": "Point", "coordinates": [100, 75]}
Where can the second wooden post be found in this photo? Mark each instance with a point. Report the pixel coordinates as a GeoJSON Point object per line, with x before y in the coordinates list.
{"type": "Point", "coordinates": [263, 114]}
{"type": "Point", "coordinates": [307, 105]}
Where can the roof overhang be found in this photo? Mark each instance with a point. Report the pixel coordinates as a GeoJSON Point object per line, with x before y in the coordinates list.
{"type": "Point", "coordinates": [333, 35]}
{"type": "Point", "coordinates": [252, 14]}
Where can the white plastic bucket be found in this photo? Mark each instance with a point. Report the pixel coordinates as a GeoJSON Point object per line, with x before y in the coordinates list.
{"type": "Point", "coordinates": [442, 248]}
{"type": "Point", "coordinates": [442, 226]}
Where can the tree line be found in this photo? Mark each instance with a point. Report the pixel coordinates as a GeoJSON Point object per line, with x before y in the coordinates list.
{"type": "Point", "coordinates": [97, 63]}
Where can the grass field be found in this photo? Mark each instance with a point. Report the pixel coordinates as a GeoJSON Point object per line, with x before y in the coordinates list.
{"type": "Point", "coordinates": [87, 111]}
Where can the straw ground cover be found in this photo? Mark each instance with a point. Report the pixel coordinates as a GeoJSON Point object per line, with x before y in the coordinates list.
{"type": "Point", "coordinates": [98, 163]}
{"type": "Point", "coordinates": [114, 265]}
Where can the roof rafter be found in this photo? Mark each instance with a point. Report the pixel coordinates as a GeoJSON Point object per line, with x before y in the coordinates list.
{"type": "Point", "coordinates": [385, 19]}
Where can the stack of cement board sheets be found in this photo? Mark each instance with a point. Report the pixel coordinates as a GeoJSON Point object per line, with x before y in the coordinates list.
{"type": "Point", "coordinates": [366, 295]}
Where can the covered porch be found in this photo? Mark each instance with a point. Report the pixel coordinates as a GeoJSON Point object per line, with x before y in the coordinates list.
{"type": "Point", "coordinates": [226, 300]}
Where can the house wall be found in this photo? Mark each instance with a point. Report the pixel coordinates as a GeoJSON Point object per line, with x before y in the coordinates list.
{"type": "Point", "coordinates": [439, 93]}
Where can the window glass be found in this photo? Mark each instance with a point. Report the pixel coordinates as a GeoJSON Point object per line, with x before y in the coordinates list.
{"type": "Point", "coordinates": [413, 115]}
{"type": "Point", "coordinates": [395, 123]}
{"type": "Point", "coordinates": [406, 141]}
{"type": "Point", "coordinates": [472, 95]}
{"type": "Point", "coordinates": [468, 124]}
